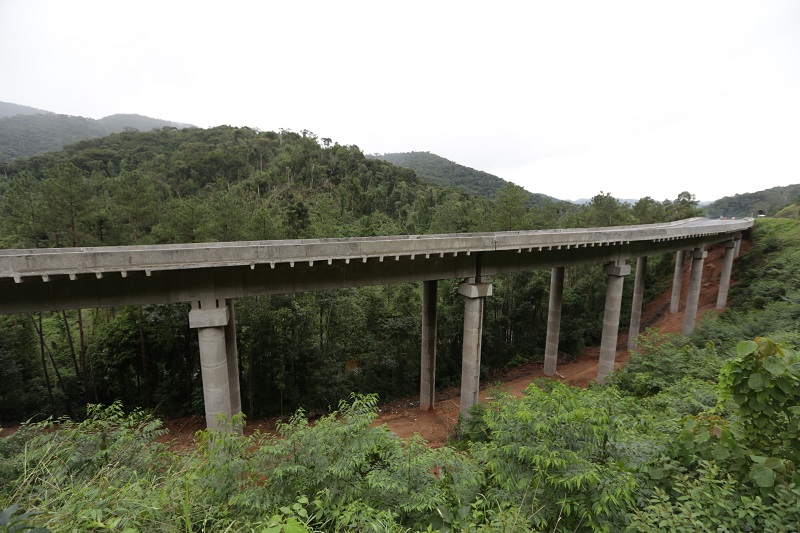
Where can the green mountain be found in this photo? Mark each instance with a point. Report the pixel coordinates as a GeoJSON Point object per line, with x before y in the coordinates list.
{"type": "Point", "coordinates": [790, 211]}
{"type": "Point", "coordinates": [8, 109]}
{"type": "Point", "coordinates": [435, 169]}
{"type": "Point", "coordinates": [26, 131]}
{"type": "Point", "coordinates": [767, 202]}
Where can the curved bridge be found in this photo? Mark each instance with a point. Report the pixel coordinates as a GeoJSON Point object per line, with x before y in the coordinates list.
{"type": "Point", "coordinates": [212, 275]}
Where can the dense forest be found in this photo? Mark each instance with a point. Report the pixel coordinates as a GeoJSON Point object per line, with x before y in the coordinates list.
{"type": "Point", "coordinates": [309, 349]}
{"type": "Point", "coordinates": [26, 131]}
{"type": "Point", "coordinates": [695, 434]}
{"type": "Point", "coordinates": [767, 202]}
{"type": "Point", "coordinates": [435, 169]}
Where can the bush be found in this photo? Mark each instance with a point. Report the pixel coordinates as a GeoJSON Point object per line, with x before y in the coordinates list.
{"type": "Point", "coordinates": [660, 361]}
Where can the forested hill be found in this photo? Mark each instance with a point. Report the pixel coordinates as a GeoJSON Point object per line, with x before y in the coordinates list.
{"type": "Point", "coordinates": [790, 211]}
{"type": "Point", "coordinates": [435, 169]}
{"type": "Point", "coordinates": [221, 184]}
{"type": "Point", "coordinates": [767, 202]}
{"type": "Point", "coordinates": [8, 109]}
{"type": "Point", "coordinates": [26, 131]}
{"type": "Point", "coordinates": [237, 184]}
{"type": "Point", "coordinates": [226, 184]}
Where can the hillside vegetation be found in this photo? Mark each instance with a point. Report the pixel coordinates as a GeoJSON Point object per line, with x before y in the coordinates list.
{"type": "Point", "coordinates": [435, 169]}
{"type": "Point", "coordinates": [694, 434]}
{"type": "Point", "coordinates": [310, 349]}
{"type": "Point", "coordinates": [767, 202]}
{"type": "Point", "coordinates": [790, 211]}
{"type": "Point", "coordinates": [8, 109]}
{"type": "Point", "coordinates": [26, 131]}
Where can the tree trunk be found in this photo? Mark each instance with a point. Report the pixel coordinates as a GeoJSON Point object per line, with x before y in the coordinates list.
{"type": "Point", "coordinates": [84, 372]}
{"type": "Point", "coordinates": [250, 392]}
{"type": "Point", "coordinates": [72, 347]}
{"type": "Point", "coordinates": [188, 358]}
{"type": "Point", "coordinates": [44, 361]}
{"type": "Point", "coordinates": [50, 355]}
{"type": "Point", "coordinates": [145, 381]}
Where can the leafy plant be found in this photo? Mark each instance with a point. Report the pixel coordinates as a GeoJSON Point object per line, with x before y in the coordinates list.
{"type": "Point", "coordinates": [10, 522]}
{"type": "Point", "coordinates": [763, 382]}
{"type": "Point", "coordinates": [710, 500]}
{"type": "Point", "coordinates": [661, 360]}
{"type": "Point", "coordinates": [565, 457]}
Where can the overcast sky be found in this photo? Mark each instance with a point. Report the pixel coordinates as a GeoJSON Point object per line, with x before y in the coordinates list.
{"type": "Point", "coordinates": [565, 98]}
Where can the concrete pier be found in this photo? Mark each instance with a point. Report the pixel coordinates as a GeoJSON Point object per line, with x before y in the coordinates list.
{"type": "Point", "coordinates": [216, 333]}
{"type": "Point", "coordinates": [554, 320]}
{"type": "Point", "coordinates": [474, 297]}
{"type": "Point", "coordinates": [427, 377]}
{"type": "Point", "coordinates": [232, 356]}
{"type": "Point", "coordinates": [695, 282]}
{"type": "Point", "coordinates": [677, 281]}
{"type": "Point", "coordinates": [725, 275]}
{"type": "Point", "coordinates": [636, 305]}
{"type": "Point", "coordinates": [615, 272]}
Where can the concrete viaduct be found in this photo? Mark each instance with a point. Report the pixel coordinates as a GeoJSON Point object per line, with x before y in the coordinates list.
{"type": "Point", "coordinates": [212, 275]}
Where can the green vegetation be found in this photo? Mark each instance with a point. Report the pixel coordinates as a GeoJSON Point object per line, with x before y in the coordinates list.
{"type": "Point", "coordinates": [558, 459]}
{"type": "Point", "coordinates": [305, 350]}
{"type": "Point", "coordinates": [790, 211]}
{"type": "Point", "coordinates": [767, 202]}
{"type": "Point", "coordinates": [7, 109]}
{"type": "Point", "coordinates": [695, 434]}
{"type": "Point", "coordinates": [435, 169]}
{"type": "Point", "coordinates": [26, 131]}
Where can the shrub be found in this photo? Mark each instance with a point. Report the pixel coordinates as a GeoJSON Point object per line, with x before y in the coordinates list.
{"type": "Point", "coordinates": [660, 361]}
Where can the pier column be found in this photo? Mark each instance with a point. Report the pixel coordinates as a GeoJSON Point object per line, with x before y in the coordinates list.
{"type": "Point", "coordinates": [232, 357]}
{"type": "Point", "coordinates": [738, 241]}
{"type": "Point", "coordinates": [474, 296]}
{"type": "Point", "coordinates": [554, 320]}
{"type": "Point", "coordinates": [615, 272]}
{"type": "Point", "coordinates": [695, 281]}
{"type": "Point", "coordinates": [217, 360]}
{"type": "Point", "coordinates": [636, 305]}
{"type": "Point", "coordinates": [677, 280]}
{"type": "Point", "coordinates": [427, 377]}
{"type": "Point", "coordinates": [725, 275]}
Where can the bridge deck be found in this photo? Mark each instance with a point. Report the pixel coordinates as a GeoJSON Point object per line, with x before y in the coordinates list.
{"type": "Point", "coordinates": [59, 278]}
{"type": "Point", "coordinates": [72, 262]}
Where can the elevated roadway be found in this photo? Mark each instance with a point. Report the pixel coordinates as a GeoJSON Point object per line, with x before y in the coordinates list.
{"type": "Point", "coordinates": [68, 278]}
{"type": "Point", "coordinates": [212, 275]}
